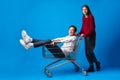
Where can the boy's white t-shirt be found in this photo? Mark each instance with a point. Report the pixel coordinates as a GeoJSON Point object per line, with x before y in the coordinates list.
{"type": "Point", "coordinates": [68, 44]}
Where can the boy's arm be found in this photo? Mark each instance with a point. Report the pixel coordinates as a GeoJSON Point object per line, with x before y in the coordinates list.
{"type": "Point", "coordinates": [55, 41]}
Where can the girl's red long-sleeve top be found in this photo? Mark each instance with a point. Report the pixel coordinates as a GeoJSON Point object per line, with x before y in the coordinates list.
{"type": "Point", "coordinates": [88, 26]}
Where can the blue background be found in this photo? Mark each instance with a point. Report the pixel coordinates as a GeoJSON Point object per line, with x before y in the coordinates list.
{"type": "Point", "coordinates": [48, 19]}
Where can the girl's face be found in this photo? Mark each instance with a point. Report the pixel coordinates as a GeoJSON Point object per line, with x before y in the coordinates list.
{"type": "Point", "coordinates": [71, 31]}
{"type": "Point", "coordinates": [84, 10]}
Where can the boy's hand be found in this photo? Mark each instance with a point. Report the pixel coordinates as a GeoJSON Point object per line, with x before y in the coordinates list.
{"type": "Point", "coordinates": [53, 43]}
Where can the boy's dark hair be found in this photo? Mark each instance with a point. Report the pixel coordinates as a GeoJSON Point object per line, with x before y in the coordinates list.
{"type": "Point", "coordinates": [89, 12]}
{"type": "Point", "coordinates": [73, 27]}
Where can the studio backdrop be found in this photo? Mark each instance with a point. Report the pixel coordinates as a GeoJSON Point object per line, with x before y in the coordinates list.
{"type": "Point", "coordinates": [48, 19]}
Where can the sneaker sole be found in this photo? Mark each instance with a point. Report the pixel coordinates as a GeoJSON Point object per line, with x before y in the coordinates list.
{"type": "Point", "coordinates": [23, 44]}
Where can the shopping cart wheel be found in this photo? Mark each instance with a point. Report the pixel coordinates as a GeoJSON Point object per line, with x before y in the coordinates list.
{"type": "Point", "coordinates": [77, 69]}
{"type": "Point", "coordinates": [48, 73]}
{"type": "Point", "coordinates": [84, 73]}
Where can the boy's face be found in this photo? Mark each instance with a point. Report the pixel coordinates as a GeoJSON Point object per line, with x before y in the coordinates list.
{"type": "Point", "coordinates": [84, 10]}
{"type": "Point", "coordinates": [71, 31]}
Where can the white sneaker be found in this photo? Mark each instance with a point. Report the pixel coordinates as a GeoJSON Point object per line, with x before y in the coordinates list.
{"type": "Point", "coordinates": [24, 44]}
{"type": "Point", "coordinates": [26, 38]}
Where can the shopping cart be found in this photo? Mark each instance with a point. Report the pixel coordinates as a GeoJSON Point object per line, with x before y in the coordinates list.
{"type": "Point", "coordinates": [54, 52]}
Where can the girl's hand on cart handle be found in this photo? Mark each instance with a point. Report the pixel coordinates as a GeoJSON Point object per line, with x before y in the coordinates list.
{"type": "Point", "coordinates": [82, 35]}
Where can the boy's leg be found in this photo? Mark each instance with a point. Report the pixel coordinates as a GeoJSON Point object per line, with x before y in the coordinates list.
{"type": "Point", "coordinates": [35, 43]}
{"type": "Point", "coordinates": [38, 43]}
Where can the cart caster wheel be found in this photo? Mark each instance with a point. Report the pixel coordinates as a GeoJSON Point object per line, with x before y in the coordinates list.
{"type": "Point", "coordinates": [48, 73]}
{"type": "Point", "coordinates": [77, 69]}
{"type": "Point", "coordinates": [84, 73]}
